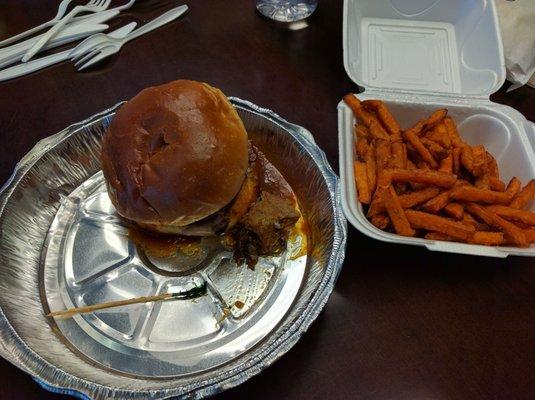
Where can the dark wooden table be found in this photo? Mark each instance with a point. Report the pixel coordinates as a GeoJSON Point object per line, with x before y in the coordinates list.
{"type": "Point", "coordinates": [403, 322]}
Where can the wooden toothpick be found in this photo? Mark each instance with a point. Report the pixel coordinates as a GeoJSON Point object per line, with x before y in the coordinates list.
{"type": "Point", "coordinates": [190, 294]}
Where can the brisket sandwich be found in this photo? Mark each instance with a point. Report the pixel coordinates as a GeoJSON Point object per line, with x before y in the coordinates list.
{"type": "Point", "coordinates": [177, 160]}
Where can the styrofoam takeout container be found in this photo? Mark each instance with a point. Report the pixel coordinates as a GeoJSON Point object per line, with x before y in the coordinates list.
{"type": "Point", "coordinates": [421, 55]}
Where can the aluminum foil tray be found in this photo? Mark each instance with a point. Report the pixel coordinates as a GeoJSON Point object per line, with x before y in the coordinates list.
{"type": "Point", "coordinates": [62, 245]}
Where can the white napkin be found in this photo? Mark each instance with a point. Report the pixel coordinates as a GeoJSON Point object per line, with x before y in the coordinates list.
{"type": "Point", "coordinates": [517, 23]}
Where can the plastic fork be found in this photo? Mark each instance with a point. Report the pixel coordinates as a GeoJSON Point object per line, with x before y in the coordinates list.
{"type": "Point", "coordinates": [61, 12]}
{"type": "Point", "coordinates": [37, 64]}
{"type": "Point", "coordinates": [67, 35]}
{"type": "Point", "coordinates": [92, 6]}
{"type": "Point", "coordinates": [125, 6]}
{"type": "Point", "coordinates": [100, 46]}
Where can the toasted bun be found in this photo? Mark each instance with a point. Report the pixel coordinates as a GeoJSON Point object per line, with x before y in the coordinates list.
{"type": "Point", "coordinates": [174, 154]}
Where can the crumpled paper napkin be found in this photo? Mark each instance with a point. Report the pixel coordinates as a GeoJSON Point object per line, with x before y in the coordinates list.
{"type": "Point", "coordinates": [517, 24]}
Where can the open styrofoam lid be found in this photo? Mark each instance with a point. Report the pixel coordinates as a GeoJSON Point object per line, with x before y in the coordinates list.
{"type": "Point", "coordinates": [436, 46]}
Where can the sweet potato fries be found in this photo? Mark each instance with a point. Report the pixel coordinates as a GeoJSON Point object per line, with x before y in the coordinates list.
{"type": "Point", "coordinates": [425, 181]}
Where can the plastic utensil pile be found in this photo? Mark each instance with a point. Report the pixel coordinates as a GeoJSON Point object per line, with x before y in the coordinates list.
{"type": "Point", "coordinates": [69, 28]}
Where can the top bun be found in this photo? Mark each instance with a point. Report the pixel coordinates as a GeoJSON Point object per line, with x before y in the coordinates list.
{"type": "Point", "coordinates": [174, 154]}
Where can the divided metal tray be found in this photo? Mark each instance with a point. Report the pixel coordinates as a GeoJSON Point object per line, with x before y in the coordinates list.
{"type": "Point", "coordinates": [63, 245]}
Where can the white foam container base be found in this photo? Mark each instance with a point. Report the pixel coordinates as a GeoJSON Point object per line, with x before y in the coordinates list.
{"type": "Point", "coordinates": [501, 129]}
{"type": "Point", "coordinates": [421, 55]}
